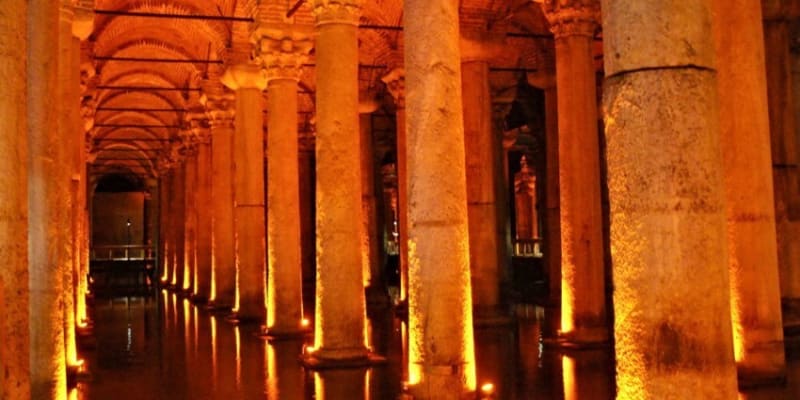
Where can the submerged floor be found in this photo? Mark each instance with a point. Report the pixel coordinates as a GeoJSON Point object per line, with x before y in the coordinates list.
{"type": "Point", "coordinates": [167, 348]}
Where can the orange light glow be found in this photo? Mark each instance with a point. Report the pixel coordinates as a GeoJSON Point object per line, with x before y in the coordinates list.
{"type": "Point", "coordinates": [305, 323]}
{"type": "Point", "coordinates": [309, 349]}
{"type": "Point", "coordinates": [238, 337]}
{"type": "Point", "coordinates": [487, 390]}
{"type": "Point", "coordinates": [568, 373]}
{"type": "Point", "coordinates": [567, 300]}
{"type": "Point", "coordinates": [213, 295]}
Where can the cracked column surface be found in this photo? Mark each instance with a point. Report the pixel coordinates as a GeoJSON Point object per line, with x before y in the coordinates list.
{"type": "Point", "coordinates": [441, 344]}
{"type": "Point", "coordinates": [668, 230]}
{"type": "Point", "coordinates": [744, 129]}
{"type": "Point", "coordinates": [340, 307]}
{"type": "Point", "coordinates": [248, 148]}
{"type": "Point", "coordinates": [15, 381]}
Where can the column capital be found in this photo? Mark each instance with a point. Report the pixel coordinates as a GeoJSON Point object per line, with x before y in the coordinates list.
{"type": "Point", "coordinates": [337, 11]}
{"type": "Point", "coordinates": [198, 125]}
{"type": "Point", "coordinates": [244, 76]}
{"type": "Point", "coordinates": [395, 82]}
{"type": "Point", "coordinates": [572, 17]}
{"type": "Point", "coordinates": [82, 22]}
{"type": "Point", "coordinates": [282, 51]}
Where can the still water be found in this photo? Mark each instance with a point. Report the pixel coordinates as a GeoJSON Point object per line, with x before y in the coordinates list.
{"type": "Point", "coordinates": [166, 348]}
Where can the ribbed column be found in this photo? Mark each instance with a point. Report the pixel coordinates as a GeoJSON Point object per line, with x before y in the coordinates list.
{"type": "Point", "coordinates": [202, 287]}
{"type": "Point", "coordinates": [47, 358]}
{"type": "Point", "coordinates": [282, 53]}
{"type": "Point", "coordinates": [15, 382]}
{"type": "Point", "coordinates": [744, 128]}
{"type": "Point", "coordinates": [248, 148]}
{"type": "Point", "coordinates": [395, 82]}
{"type": "Point", "coordinates": [220, 113]}
{"type": "Point", "coordinates": [665, 179]}
{"type": "Point", "coordinates": [441, 344]}
{"type": "Point", "coordinates": [583, 314]}
{"type": "Point", "coordinates": [340, 308]}
{"type": "Point", "coordinates": [190, 216]}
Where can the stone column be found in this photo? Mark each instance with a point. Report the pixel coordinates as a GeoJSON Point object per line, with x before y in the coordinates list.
{"type": "Point", "coordinates": [372, 268]}
{"type": "Point", "coordinates": [340, 309]}
{"type": "Point", "coordinates": [165, 244]}
{"type": "Point", "coordinates": [248, 81]}
{"type": "Point", "coordinates": [782, 122]}
{"type": "Point", "coordinates": [668, 228]}
{"type": "Point", "coordinates": [307, 212]}
{"type": "Point", "coordinates": [486, 266]}
{"type": "Point", "coordinates": [87, 113]}
{"type": "Point", "coordinates": [202, 287]}
{"type": "Point", "coordinates": [583, 314]}
{"type": "Point", "coordinates": [190, 216]}
{"type": "Point", "coordinates": [744, 129]}
{"type": "Point", "coordinates": [441, 346]}
{"type": "Point", "coordinates": [15, 382]}
{"type": "Point", "coordinates": [282, 50]}
{"type": "Point", "coordinates": [220, 113]}
{"type": "Point", "coordinates": [395, 83]}
{"type": "Point", "coordinates": [178, 221]}
{"type": "Point", "coordinates": [47, 357]}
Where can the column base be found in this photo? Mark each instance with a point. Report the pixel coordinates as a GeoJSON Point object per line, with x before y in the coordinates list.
{"type": "Point", "coordinates": [277, 335]}
{"type": "Point", "coordinates": [239, 319]}
{"type": "Point", "coordinates": [318, 360]}
{"type": "Point", "coordinates": [790, 309]}
{"type": "Point", "coordinates": [218, 308]}
{"type": "Point", "coordinates": [566, 343]}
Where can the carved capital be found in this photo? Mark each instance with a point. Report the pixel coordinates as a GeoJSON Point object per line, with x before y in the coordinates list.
{"type": "Point", "coordinates": [198, 125]}
{"type": "Point", "coordinates": [572, 17]}
{"type": "Point", "coordinates": [337, 11]}
{"type": "Point", "coordinates": [83, 22]}
{"type": "Point", "coordinates": [244, 76]}
{"type": "Point", "coordinates": [395, 82]}
{"type": "Point", "coordinates": [88, 111]}
{"type": "Point", "coordinates": [282, 52]}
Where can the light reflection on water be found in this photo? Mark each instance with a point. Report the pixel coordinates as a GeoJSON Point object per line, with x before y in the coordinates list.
{"type": "Point", "coordinates": [166, 350]}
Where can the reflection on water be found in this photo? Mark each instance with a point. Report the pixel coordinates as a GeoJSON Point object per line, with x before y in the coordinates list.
{"type": "Point", "coordinates": [168, 349]}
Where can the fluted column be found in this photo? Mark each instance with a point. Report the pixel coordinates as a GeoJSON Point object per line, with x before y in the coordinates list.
{"type": "Point", "coordinates": [583, 314]}
{"type": "Point", "coordinates": [249, 81]}
{"type": "Point", "coordinates": [340, 307]}
{"type": "Point", "coordinates": [47, 357]}
{"type": "Point", "coordinates": [396, 85]}
{"type": "Point", "coordinates": [668, 231]}
{"type": "Point", "coordinates": [441, 344]}
{"type": "Point", "coordinates": [744, 128]}
{"type": "Point", "coordinates": [15, 383]}
{"type": "Point", "coordinates": [190, 215]}
{"type": "Point", "coordinates": [220, 113]}
{"type": "Point", "coordinates": [282, 50]}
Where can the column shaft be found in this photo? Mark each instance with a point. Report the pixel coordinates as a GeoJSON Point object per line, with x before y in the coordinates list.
{"type": "Point", "coordinates": [485, 264]}
{"type": "Point", "coordinates": [178, 224]}
{"type": "Point", "coordinates": [78, 185]}
{"type": "Point", "coordinates": [15, 382]}
{"type": "Point", "coordinates": [340, 308]}
{"type": "Point", "coordinates": [402, 195]}
{"type": "Point", "coordinates": [552, 217]}
{"type": "Point", "coordinates": [441, 349]}
{"type": "Point", "coordinates": [668, 228]}
{"type": "Point", "coordinates": [249, 211]}
{"type": "Point", "coordinates": [222, 187]}
{"type": "Point", "coordinates": [744, 128]}
{"type": "Point", "coordinates": [204, 227]}
{"type": "Point", "coordinates": [190, 223]}
{"type": "Point", "coordinates": [165, 245]}
{"type": "Point", "coordinates": [47, 360]}
{"type": "Point", "coordinates": [372, 268]}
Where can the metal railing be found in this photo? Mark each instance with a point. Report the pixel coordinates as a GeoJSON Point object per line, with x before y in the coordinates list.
{"type": "Point", "coordinates": [123, 253]}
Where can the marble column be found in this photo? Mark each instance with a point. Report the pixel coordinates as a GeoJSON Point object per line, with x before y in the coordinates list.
{"type": "Point", "coordinates": [486, 266]}
{"type": "Point", "coordinates": [190, 216]}
{"type": "Point", "coordinates": [248, 81]}
{"type": "Point", "coordinates": [47, 356]}
{"type": "Point", "coordinates": [15, 383]}
{"type": "Point", "coordinates": [441, 344]}
{"type": "Point", "coordinates": [202, 288]}
{"type": "Point", "coordinates": [583, 315]}
{"type": "Point", "coordinates": [340, 309]}
{"type": "Point", "coordinates": [178, 222]}
{"type": "Point", "coordinates": [220, 113]}
{"type": "Point", "coordinates": [668, 225]}
{"type": "Point", "coordinates": [744, 129]}
{"type": "Point", "coordinates": [282, 53]}
{"type": "Point", "coordinates": [786, 179]}
{"type": "Point", "coordinates": [395, 84]}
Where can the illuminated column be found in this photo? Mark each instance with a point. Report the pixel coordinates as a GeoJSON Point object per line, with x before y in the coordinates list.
{"type": "Point", "coordinates": [395, 82]}
{"type": "Point", "coordinates": [165, 246]}
{"type": "Point", "coordinates": [248, 81]}
{"type": "Point", "coordinates": [668, 228]}
{"type": "Point", "coordinates": [441, 350]}
{"type": "Point", "coordinates": [307, 211]}
{"type": "Point", "coordinates": [372, 267]}
{"type": "Point", "coordinates": [178, 218]}
{"type": "Point", "coordinates": [282, 53]}
{"type": "Point", "coordinates": [744, 128]}
{"type": "Point", "coordinates": [220, 113]}
{"type": "Point", "coordinates": [782, 122]}
{"type": "Point", "coordinates": [583, 314]}
{"type": "Point", "coordinates": [190, 214]}
{"type": "Point", "coordinates": [202, 279]}
{"type": "Point", "coordinates": [340, 308]}
{"type": "Point", "coordinates": [47, 357]}
{"type": "Point", "coordinates": [480, 143]}
{"type": "Point", "coordinates": [15, 382]}
{"type": "Point", "coordinates": [88, 111]}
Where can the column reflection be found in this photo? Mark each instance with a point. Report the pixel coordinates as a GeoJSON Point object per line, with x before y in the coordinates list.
{"type": "Point", "coordinates": [347, 384]}
{"type": "Point", "coordinates": [587, 376]}
{"type": "Point", "coordinates": [284, 374]}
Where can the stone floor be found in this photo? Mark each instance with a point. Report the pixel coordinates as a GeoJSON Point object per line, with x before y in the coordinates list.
{"type": "Point", "coordinates": [168, 349]}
